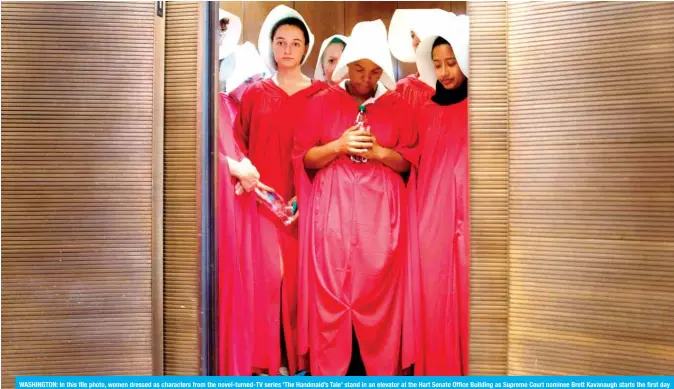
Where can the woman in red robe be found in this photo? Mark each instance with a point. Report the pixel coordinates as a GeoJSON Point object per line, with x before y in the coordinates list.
{"type": "Point", "coordinates": [408, 27]}
{"type": "Point", "coordinates": [237, 219]}
{"type": "Point", "coordinates": [328, 57]}
{"type": "Point", "coordinates": [442, 190]}
{"type": "Point", "coordinates": [264, 133]}
{"type": "Point", "coordinates": [354, 229]}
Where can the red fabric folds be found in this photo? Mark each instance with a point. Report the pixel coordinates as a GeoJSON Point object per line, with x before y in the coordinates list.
{"type": "Point", "coordinates": [353, 233]}
{"type": "Point", "coordinates": [264, 132]}
{"type": "Point", "coordinates": [414, 91]}
{"type": "Point", "coordinates": [237, 221]}
{"type": "Point", "coordinates": [412, 337]}
{"type": "Point", "coordinates": [442, 192]}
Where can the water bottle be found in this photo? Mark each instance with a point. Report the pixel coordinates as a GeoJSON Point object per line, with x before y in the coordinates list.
{"type": "Point", "coordinates": [361, 120]}
{"type": "Point", "coordinates": [276, 204]}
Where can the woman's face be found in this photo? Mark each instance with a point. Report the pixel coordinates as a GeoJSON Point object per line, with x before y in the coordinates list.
{"type": "Point", "coordinates": [363, 76]}
{"type": "Point", "coordinates": [289, 46]}
{"type": "Point", "coordinates": [415, 40]}
{"type": "Point", "coordinates": [446, 68]}
{"type": "Point", "coordinates": [331, 56]}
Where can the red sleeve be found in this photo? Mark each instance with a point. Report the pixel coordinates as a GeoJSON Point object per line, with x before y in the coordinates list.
{"type": "Point", "coordinates": [408, 138]}
{"type": "Point", "coordinates": [227, 111]}
{"type": "Point", "coordinates": [402, 88]}
{"type": "Point", "coordinates": [235, 254]}
{"type": "Point", "coordinates": [307, 135]}
{"type": "Point", "coordinates": [243, 120]}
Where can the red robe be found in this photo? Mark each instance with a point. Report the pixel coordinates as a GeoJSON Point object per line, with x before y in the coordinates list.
{"type": "Point", "coordinates": [353, 236]}
{"type": "Point", "coordinates": [237, 219]}
{"type": "Point", "coordinates": [444, 233]}
{"type": "Point", "coordinates": [414, 91]}
{"type": "Point", "coordinates": [264, 132]}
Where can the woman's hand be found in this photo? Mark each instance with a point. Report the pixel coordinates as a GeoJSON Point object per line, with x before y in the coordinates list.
{"type": "Point", "coordinates": [239, 189]}
{"type": "Point", "coordinates": [388, 157]}
{"type": "Point", "coordinates": [293, 220]}
{"type": "Point", "coordinates": [376, 152]}
{"type": "Point", "coordinates": [245, 172]}
{"type": "Point", "coordinates": [290, 209]}
{"type": "Point", "coordinates": [354, 141]}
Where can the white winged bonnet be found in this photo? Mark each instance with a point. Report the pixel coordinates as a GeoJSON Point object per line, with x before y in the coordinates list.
{"type": "Point", "coordinates": [248, 63]}
{"type": "Point", "coordinates": [423, 22]}
{"type": "Point", "coordinates": [264, 42]}
{"type": "Point", "coordinates": [227, 40]}
{"type": "Point", "coordinates": [367, 41]}
{"type": "Point", "coordinates": [456, 31]}
{"type": "Point", "coordinates": [319, 73]}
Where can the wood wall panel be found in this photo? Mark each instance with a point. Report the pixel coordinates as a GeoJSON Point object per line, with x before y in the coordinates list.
{"type": "Point", "coordinates": [359, 11]}
{"type": "Point", "coordinates": [591, 188]}
{"type": "Point", "coordinates": [254, 13]}
{"type": "Point", "coordinates": [325, 20]}
{"type": "Point", "coordinates": [459, 7]}
{"type": "Point", "coordinates": [182, 269]}
{"type": "Point", "coordinates": [77, 188]}
{"type": "Point", "coordinates": [488, 189]}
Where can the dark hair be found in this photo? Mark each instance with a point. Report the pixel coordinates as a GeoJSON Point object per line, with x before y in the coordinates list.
{"type": "Point", "coordinates": [439, 41]}
{"type": "Point", "coordinates": [337, 40]}
{"type": "Point", "coordinates": [291, 21]}
{"type": "Point", "coordinates": [224, 24]}
{"type": "Point", "coordinates": [334, 40]}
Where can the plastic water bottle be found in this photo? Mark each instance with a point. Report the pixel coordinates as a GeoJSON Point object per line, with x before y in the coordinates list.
{"type": "Point", "coordinates": [361, 120]}
{"type": "Point", "coordinates": [276, 204]}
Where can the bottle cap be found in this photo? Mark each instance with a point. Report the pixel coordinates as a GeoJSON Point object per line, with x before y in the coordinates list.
{"type": "Point", "coordinates": [361, 108]}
